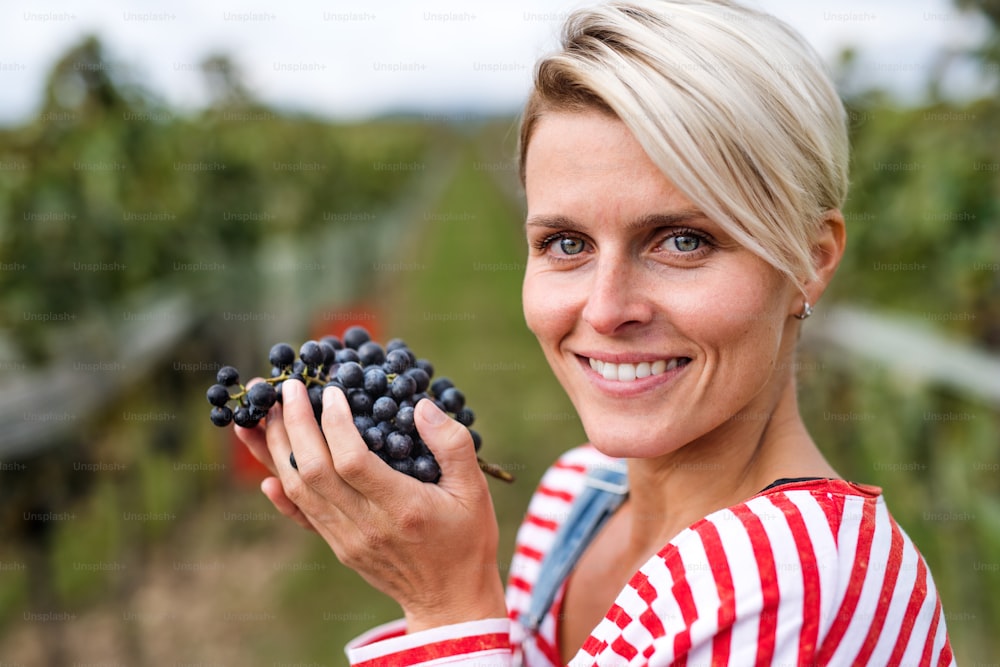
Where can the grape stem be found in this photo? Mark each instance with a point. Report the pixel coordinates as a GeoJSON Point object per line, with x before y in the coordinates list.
{"type": "Point", "coordinates": [285, 375]}
{"type": "Point", "coordinates": [494, 470]}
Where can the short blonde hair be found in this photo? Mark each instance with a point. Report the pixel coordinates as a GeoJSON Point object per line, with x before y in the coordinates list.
{"type": "Point", "coordinates": [732, 105]}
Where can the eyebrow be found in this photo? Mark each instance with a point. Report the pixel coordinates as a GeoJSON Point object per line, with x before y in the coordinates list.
{"type": "Point", "coordinates": [650, 220]}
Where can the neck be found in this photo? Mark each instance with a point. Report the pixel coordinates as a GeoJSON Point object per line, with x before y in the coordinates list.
{"type": "Point", "coordinates": [763, 443]}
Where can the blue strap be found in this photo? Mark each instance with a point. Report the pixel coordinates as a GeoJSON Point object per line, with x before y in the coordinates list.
{"type": "Point", "coordinates": [606, 487]}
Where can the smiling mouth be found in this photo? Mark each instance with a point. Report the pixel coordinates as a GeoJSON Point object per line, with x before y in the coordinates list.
{"type": "Point", "coordinates": [631, 372]}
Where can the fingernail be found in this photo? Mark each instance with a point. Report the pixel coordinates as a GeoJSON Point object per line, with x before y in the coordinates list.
{"type": "Point", "coordinates": [329, 397]}
{"type": "Point", "coordinates": [432, 414]}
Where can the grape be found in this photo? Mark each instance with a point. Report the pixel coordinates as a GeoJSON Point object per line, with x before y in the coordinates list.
{"type": "Point", "coordinates": [316, 398]}
{"type": "Point", "coordinates": [227, 376]}
{"type": "Point", "coordinates": [311, 354]}
{"type": "Point", "coordinates": [453, 399]}
{"type": "Point", "coordinates": [421, 378]}
{"type": "Point", "coordinates": [221, 415]}
{"type": "Point", "coordinates": [399, 445]}
{"type": "Point", "coordinates": [404, 420]}
{"type": "Point", "coordinates": [347, 354]}
{"type": "Point", "coordinates": [217, 395]}
{"type": "Point", "coordinates": [376, 381]}
{"type": "Point", "coordinates": [385, 408]}
{"type": "Point", "coordinates": [426, 469]}
{"type": "Point", "coordinates": [426, 367]}
{"type": "Point", "coordinates": [374, 438]}
{"type": "Point", "coordinates": [241, 417]}
{"type": "Point", "coordinates": [363, 423]}
{"type": "Point", "coordinates": [355, 337]}
{"type": "Point", "coordinates": [333, 342]}
{"type": "Point", "coordinates": [329, 353]}
{"type": "Point", "coordinates": [396, 361]}
{"type": "Point", "coordinates": [360, 402]}
{"type": "Point", "coordinates": [371, 354]}
{"type": "Point", "coordinates": [382, 385]}
{"type": "Point", "coordinates": [465, 417]}
{"type": "Point", "coordinates": [402, 387]}
{"type": "Point", "coordinates": [395, 344]}
{"type": "Point", "coordinates": [439, 386]}
{"type": "Point", "coordinates": [351, 375]}
{"type": "Point", "coordinates": [262, 395]}
{"type": "Point", "coordinates": [282, 355]}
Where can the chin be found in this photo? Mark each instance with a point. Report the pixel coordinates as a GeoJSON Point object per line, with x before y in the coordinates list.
{"type": "Point", "coordinates": [619, 440]}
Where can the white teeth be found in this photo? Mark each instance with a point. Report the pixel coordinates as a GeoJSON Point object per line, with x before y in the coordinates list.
{"type": "Point", "coordinates": [630, 372]}
{"type": "Point", "coordinates": [626, 372]}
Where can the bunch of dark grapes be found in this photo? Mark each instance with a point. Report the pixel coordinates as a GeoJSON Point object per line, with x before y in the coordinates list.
{"type": "Point", "coordinates": [382, 386]}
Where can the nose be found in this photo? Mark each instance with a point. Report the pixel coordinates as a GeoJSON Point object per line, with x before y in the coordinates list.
{"type": "Point", "coordinates": [618, 297]}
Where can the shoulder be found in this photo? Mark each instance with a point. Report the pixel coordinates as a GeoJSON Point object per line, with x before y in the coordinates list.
{"type": "Point", "coordinates": [791, 562]}
{"type": "Point", "coordinates": [798, 538]}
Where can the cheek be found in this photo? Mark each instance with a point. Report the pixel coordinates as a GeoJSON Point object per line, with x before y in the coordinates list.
{"type": "Point", "coordinates": [533, 303]}
{"type": "Point", "coordinates": [548, 308]}
{"type": "Point", "coordinates": [740, 319]}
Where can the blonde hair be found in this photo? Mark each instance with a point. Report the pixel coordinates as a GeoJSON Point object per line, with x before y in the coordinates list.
{"type": "Point", "coordinates": [730, 103]}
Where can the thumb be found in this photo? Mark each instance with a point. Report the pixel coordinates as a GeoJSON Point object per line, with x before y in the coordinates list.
{"type": "Point", "coordinates": [450, 442]}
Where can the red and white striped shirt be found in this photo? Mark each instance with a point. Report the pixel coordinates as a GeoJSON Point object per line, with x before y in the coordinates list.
{"type": "Point", "coordinates": [804, 573]}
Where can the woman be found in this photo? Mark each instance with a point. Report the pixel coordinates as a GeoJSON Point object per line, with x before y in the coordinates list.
{"type": "Point", "coordinates": [684, 166]}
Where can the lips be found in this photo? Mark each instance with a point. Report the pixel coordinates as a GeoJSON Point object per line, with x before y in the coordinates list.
{"type": "Point", "coordinates": [629, 372]}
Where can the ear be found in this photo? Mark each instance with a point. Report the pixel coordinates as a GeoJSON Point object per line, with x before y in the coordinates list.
{"type": "Point", "coordinates": [827, 251]}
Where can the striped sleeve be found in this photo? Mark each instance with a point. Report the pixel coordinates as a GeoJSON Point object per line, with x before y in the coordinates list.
{"type": "Point", "coordinates": [483, 643]}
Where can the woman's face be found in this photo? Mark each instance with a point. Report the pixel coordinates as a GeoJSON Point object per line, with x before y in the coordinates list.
{"type": "Point", "coordinates": [658, 325]}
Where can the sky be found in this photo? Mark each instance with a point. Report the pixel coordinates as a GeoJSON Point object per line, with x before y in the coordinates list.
{"type": "Point", "coordinates": [349, 59]}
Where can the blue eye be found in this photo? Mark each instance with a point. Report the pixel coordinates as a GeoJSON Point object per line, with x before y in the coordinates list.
{"type": "Point", "coordinates": [686, 243]}
{"type": "Point", "coordinates": [571, 246]}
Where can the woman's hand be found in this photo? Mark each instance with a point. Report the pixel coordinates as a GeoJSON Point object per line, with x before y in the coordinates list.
{"type": "Point", "coordinates": [431, 547]}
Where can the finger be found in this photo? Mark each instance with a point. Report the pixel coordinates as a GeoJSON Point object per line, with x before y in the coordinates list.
{"type": "Point", "coordinates": [280, 449]}
{"type": "Point", "coordinates": [316, 467]}
{"type": "Point", "coordinates": [272, 488]}
{"type": "Point", "coordinates": [453, 448]}
{"type": "Point", "coordinates": [354, 463]}
{"type": "Point", "coordinates": [255, 440]}
{"type": "Point", "coordinates": [276, 441]}
{"type": "Point", "coordinates": [294, 487]}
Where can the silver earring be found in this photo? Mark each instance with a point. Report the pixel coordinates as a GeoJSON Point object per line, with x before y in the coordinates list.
{"type": "Point", "coordinates": [806, 311]}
